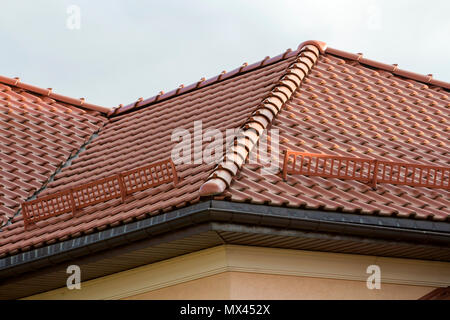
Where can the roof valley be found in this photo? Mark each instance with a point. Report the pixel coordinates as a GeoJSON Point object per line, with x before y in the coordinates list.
{"type": "Point", "coordinates": [220, 179]}
{"type": "Point", "coordinates": [51, 178]}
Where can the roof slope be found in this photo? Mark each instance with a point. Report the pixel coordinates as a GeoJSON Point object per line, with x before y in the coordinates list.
{"type": "Point", "coordinates": [37, 136]}
{"type": "Point", "coordinates": [350, 109]}
{"type": "Point", "coordinates": [142, 137]}
{"type": "Point", "coordinates": [321, 100]}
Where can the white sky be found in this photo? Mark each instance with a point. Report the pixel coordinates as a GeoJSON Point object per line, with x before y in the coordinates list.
{"type": "Point", "coordinates": [133, 48]}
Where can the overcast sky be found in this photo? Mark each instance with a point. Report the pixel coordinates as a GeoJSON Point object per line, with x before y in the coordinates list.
{"type": "Point", "coordinates": [128, 49]}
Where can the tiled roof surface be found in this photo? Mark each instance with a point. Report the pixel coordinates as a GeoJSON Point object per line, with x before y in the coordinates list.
{"type": "Point", "coordinates": [345, 105]}
{"type": "Point", "coordinates": [38, 134]}
{"type": "Point", "coordinates": [346, 108]}
{"type": "Point", "coordinates": [140, 138]}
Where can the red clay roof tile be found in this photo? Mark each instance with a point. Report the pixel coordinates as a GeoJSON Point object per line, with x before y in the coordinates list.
{"type": "Point", "coordinates": [36, 137]}
{"type": "Point", "coordinates": [354, 126]}
{"type": "Point", "coordinates": [125, 143]}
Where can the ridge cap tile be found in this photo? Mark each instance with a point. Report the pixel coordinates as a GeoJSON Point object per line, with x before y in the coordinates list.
{"type": "Point", "coordinates": [220, 178]}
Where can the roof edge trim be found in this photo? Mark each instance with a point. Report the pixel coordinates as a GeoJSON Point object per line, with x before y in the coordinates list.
{"type": "Point", "coordinates": [48, 92]}
{"type": "Point", "coordinates": [220, 179]}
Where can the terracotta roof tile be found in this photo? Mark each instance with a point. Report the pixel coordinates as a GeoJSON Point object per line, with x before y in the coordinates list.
{"type": "Point", "coordinates": [144, 136]}
{"type": "Point", "coordinates": [321, 100]}
{"type": "Point", "coordinates": [37, 135]}
{"type": "Point", "coordinates": [346, 108]}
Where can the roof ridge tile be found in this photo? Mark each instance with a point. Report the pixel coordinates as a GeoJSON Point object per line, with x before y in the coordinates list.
{"type": "Point", "coordinates": [222, 175]}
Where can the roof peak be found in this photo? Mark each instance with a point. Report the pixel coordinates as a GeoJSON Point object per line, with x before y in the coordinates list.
{"type": "Point", "coordinates": [49, 93]}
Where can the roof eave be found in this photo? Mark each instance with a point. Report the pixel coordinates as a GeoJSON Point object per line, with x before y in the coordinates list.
{"type": "Point", "coordinates": [386, 228]}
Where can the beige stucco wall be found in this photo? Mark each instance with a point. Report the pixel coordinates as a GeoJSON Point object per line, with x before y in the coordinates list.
{"type": "Point", "coordinates": [243, 272]}
{"type": "Point", "coordinates": [244, 285]}
{"type": "Point", "coordinates": [262, 286]}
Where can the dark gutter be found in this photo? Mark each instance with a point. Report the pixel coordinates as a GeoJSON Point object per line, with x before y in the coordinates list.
{"type": "Point", "coordinates": [386, 228]}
